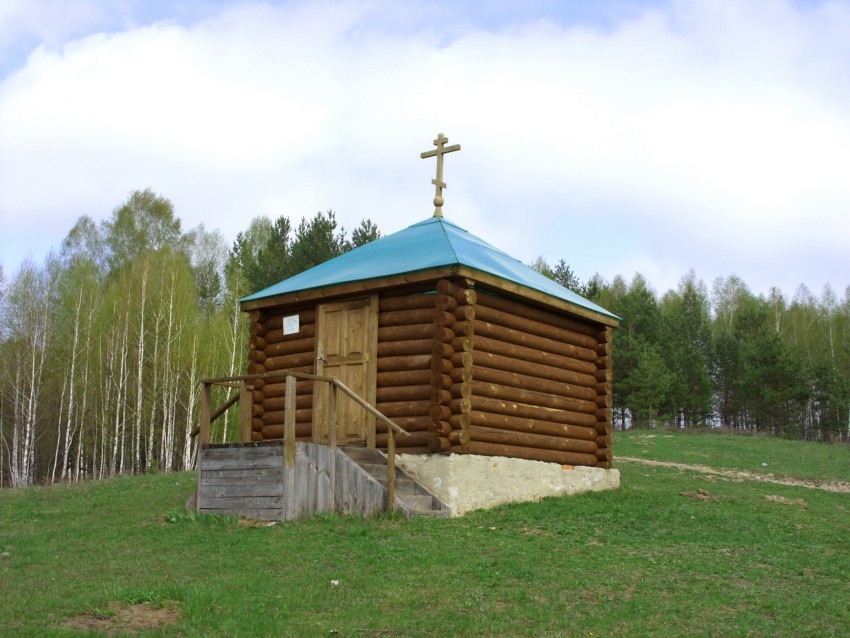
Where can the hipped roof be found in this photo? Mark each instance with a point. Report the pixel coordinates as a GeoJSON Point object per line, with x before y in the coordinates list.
{"type": "Point", "coordinates": [431, 244]}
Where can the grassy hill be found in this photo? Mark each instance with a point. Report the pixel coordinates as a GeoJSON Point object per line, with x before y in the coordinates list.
{"type": "Point", "coordinates": [674, 552]}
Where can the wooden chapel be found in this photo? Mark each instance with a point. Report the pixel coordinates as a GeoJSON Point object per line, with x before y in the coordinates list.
{"type": "Point", "coordinates": [461, 345]}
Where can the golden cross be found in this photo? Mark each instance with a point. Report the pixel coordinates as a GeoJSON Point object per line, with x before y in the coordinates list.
{"type": "Point", "coordinates": [441, 150]}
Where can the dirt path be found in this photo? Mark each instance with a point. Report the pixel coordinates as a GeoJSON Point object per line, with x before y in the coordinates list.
{"type": "Point", "coordinates": [743, 475]}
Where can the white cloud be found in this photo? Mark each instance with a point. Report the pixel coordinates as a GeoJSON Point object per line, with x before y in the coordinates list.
{"type": "Point", "coordinates": [711, 135]}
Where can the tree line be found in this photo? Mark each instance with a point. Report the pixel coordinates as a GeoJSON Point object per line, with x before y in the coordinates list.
{"type": "Point", "coordinates": [726, 357]}
{"type": "Point", "coordinates": [104, 344]}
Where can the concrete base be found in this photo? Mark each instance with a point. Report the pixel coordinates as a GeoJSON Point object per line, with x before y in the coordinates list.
{"type": "Point", "coordinates": [467, 482]}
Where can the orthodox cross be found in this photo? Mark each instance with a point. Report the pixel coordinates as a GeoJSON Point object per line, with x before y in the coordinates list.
{"type": "Point", "coordinates": [441, 150]}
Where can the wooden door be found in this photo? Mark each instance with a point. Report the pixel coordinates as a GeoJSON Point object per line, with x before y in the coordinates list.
{"type": "Point", "coordinates": [346, 348]}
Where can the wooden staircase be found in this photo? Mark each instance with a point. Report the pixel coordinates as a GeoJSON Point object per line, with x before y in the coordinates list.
{"type": "Point", "coordinates": [285, 479]}
{"type": "Point", "coordinates": [251, 480]}
{"type": "Point", "coordinates": [411, 497]}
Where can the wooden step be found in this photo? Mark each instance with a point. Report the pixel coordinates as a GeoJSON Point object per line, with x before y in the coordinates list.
{"type": "Point", "coordinates": [414, 498]}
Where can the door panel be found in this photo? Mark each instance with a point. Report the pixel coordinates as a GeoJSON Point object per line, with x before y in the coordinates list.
{"type": "Point", "coordinates": [346, 346]}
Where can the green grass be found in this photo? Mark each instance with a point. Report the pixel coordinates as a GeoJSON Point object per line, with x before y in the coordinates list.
{"type": "Point", "coordinates": [646, 560]}
{"type": "Point", "coordinates": [758, 453]}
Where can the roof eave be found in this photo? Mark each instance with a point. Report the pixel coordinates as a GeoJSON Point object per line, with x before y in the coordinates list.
{"type": "Point", "coordinates": [347, 289]}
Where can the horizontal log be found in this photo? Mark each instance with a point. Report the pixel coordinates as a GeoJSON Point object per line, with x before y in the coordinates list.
{"type": "Point", "coordinates": [257, 356]}
{"type": "Point", "coordinates": [404, 392]}
{"type": "Point", "coordinates": [440, 396]}
{"type": "Point", "coordinates": [604, 427]}
{"type": "Point", "coordinates": [604, 440]}
{"type": "Point", "coordinates": [406, 317]}
{"type": "Point", "coordinates": [533, 454]}
{"type": "Point", "coordinates": [415, 439]}
{"type": "Point", "coordinates": [536, 342]}
{"type": "Point", "coordinates": [440, 427]}
{"type": "Point", "coordinates": [404, 408]}
{"type": "Point", "coordinates": [257, 424]}
{"type": "Point", "coordinates": [405, 333]}
{"type": "Point", "coordinates": [528, 397]}
{"type": "Point", "coordinates": [257, 316]}
{"type": "Point", "coordinates": [465, 296]}
{"type": "Point", "coordinates": [463, 389]}
{"type": "Point", "coordinates": [406, 302]}
{"type": "Point", "coordinates": [511, 408]}
{"type": "Point", "coordinates": [414, 346]}
{"type": "Point", "coordinates": [440, 412]}
{"type": "Point", "coordinates": [463, 344]}
{"type": "Point", "coordinates": [272, 404]}
{"type": "Point", "coordinates": [257, 410]}
{"type": "Point", "coordinates": [516, 379]}
{"type": "Point", "coordinates": [256, 368]}
{"type": "Point", "coordinates": [441, 366]}
{"type": "Point", "coordinates": [446, 303]}
{"type": "Point", "coordinates": [520, 424]}
{"type": "Point", "coordinates": [404, 377]}
{"type": "Point", "coordinates": [461, 374]}
{"type": "Point", "coordinates": [529, 440]}
{"type": "Point", "coordinates": [605, 414]}
{"type": "Point", "coordinates": [583, 385]}
{"type": "Point", "coordinates": [278, 388]}
{"type": "Point", "coordinates": [604, 454]}
{"type": "Point", "coordinates": [439, 444]}
{"type": "Point", "coordinates": [537, 328]}
{"type": "Point", "coordinates": [257, 330]}
{"type": "Point", "coordinates": [277, 431]}
{"type": "Point", "coordinates": [289, 361]}
{"type": "Point", "coordinates": [275, 321]}
{"type": "Point", "coordinates": [526, 311]}
{"type": "Point", "coordinates": [604, 401]}
{"type": "Point", "coordinates": [257, 342]}
{"type": "Point", "coordinates": [553, 365]}
{"type": "Point", "coordinates": [305, 415]}
{"type": "Point", "coordinates": [603, 349]}
{"type": "Point", "coordinates": [604, 376]}
{"type": "Point", "coordinates": [256, 436]}
{"type": "Point", "coordinates": [409, 362]}
{"type": "Point", "coordinates": [459, 437]}
{"type": "Point", "coordinates": [277, 335]}
{"type": "Point", "coordinates": [421, 423]}
{"type": "Point", "coordinates": [295, 346]}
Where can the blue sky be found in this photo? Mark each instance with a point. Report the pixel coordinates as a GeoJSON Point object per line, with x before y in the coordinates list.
{"type": "Point", "coordinates": [620, 136]}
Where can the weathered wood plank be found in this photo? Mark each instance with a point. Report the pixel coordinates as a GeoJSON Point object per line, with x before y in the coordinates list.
{"type": "Point", "coordinates": [242, 491]}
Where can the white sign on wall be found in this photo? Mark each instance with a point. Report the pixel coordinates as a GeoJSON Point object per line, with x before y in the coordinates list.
{"type": "Point", "coordinates": [291, 325]}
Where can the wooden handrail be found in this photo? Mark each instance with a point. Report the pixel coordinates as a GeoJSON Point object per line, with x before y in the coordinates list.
{"type": "Point", "coordinates": [243, 396]}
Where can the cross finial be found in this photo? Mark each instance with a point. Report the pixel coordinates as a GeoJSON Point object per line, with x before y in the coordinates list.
{"type": "Point", "coordinates": [441, 150]}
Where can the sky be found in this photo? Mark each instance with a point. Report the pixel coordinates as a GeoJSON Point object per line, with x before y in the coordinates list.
{"type": "Point", "coordinates": [621, 136]}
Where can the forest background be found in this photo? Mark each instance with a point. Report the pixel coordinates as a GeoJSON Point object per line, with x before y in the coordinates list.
{"type": "Point", "coordinates": [103, 345]}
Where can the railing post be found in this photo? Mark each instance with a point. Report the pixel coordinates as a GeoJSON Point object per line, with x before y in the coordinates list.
{"type": "Point", "coordinates": [332, 415]}
{"type": "Point", "coordinates": [206, 408]}
{"type": "Point", "coordinates": [289, 449]}
{"type": "Point", "coordinates": [246, 409]}
{"type": "Point", "coordinates": [391, 470]}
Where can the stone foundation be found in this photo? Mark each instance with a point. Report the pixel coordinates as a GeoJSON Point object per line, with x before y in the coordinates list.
{"type": "Point", "coordinates": [467, 482]}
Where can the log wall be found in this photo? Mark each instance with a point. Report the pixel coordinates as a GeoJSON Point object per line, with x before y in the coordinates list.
{"type": "Point", "coordinates": [409, 378]}
{"type": "Point", "coordinates": [270, 351]}
{"type": "Point", "coordinates": [463, 369]}
{"type": "Point", "coordinates": [529, 383]}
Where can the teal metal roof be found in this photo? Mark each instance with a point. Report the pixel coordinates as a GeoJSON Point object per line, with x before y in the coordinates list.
{"type": "Point", "coordinates": [432, 243]}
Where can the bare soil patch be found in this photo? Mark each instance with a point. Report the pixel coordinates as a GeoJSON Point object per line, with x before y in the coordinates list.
{"type": "Point", "coordinates": [744, 475]}
{"type": "Point", "coordinates": [123, 618]}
